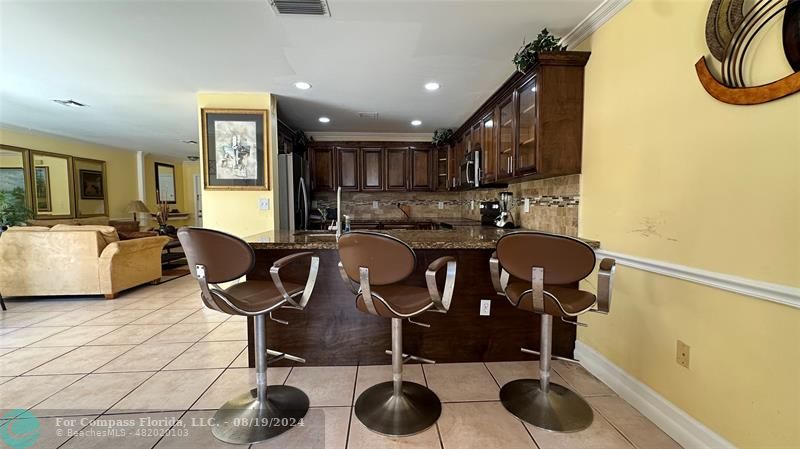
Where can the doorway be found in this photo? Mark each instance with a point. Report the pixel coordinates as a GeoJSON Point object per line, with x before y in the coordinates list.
{"type": "Point", "coordinates": [198, 201]}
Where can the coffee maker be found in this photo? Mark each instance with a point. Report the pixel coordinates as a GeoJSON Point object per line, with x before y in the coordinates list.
{"type": "Point", "coordinates": [506, 218]}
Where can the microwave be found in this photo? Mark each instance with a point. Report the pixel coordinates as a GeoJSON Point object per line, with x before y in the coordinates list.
{"type": "Point", "coordinates": [471, 169]}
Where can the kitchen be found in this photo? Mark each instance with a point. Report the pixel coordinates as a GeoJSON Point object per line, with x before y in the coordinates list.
{"type": "Point", "coordinates": [454, 197]}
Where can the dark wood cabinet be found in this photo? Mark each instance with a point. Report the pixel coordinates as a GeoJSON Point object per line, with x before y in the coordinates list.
{"type": "Point", "coordinates": [322, 171]}
{"type": "Point", "coordinates": [421, 168]}
{"type": "Point", "coordinates": [442, 164]}
{"type": "Point", "coordinates": [538, 116]}
{"type": "Point", "coordinates": [372, 169]}
{"type": "Point", "coordinates": [488, 148]}
{"type": "Point", "coordinates": [527, 132]}
{"type": "Point", "coordinates": [397, 169]}
{"type": "Point", "coordinates": [377, 166]}
{"type": "Point", "coordinates": [505, 159]}
{"type": "Point", "coordinates": [347, 169]}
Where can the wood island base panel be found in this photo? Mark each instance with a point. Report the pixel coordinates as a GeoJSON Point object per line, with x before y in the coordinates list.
{"type": "Point", "coordinates": [331, 331]}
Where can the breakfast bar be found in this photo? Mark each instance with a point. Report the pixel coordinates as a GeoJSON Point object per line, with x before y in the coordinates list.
{"type": "Point", "coordinates": [331, 331]}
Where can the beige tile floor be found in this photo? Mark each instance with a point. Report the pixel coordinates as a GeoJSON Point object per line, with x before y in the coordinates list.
{"type": "Point", "coordinates": [148, 370]}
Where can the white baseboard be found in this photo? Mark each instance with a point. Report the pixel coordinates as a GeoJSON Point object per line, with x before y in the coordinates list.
{"type": "Point", "coordinates": [687, 431]}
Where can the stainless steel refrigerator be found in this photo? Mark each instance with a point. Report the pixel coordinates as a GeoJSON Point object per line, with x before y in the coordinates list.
{"type": "Point", "coordinates": [294, 184]}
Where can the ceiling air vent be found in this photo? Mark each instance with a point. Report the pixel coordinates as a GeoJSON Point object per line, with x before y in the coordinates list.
{"type": "Point", "coordinates": [302, 7]}
{"type": "Point", "coordinates": [369, 115]}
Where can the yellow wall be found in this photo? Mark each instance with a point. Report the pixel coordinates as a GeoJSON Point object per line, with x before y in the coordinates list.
{"type": "Point", "coordinates": [120, 164]}
{"type": "Point", "coordinates": [237, 211]}
{"type": "Point", "coordinates": [671, 174]}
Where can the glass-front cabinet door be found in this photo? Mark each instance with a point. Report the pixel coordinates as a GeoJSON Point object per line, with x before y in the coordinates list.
{"type": "Point", "coordinates": [489, 149]}
{"type": "Point", "coordinates": [505, 160]}
{"type": "Point", "coordinates": [526, 150]}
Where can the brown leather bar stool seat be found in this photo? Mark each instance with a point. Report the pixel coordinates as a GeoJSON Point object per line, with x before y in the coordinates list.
{"type": "Point", "coordinates": [536, 271]}
{"type": "Point", "coordinates": [373, 265]}
{"type": "Point", "coordinates": [214, 258]}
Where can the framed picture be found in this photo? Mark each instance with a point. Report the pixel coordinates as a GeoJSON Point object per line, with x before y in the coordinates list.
{"type": "Point", "coordinates": [42, 181]}
{"type": "Point", "coordinates": [165, 183]}
{"type": "Point", "coordinates": [91, 184]}
{"type": "Point", "coordinates": [235, 149]}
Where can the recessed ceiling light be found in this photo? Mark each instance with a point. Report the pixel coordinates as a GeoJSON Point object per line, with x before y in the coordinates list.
{"type": "Point", "coordinates": [416, 122]}
{"type": "Point", "coordinates": [70, 103]}
{"type": "Point", "coordinates": [324, 120]}
{"type": "Point", "coordinates": [432, 86]}
{"type": "Point", "coordinates": [302, 85]}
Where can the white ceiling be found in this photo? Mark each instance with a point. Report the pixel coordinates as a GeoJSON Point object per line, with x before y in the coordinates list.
{"type": "Point", "coordinates": [138, 64]}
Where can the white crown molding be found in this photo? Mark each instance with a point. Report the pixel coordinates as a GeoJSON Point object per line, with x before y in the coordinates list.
{"type": "Point", "coordinates": [676, 423]}
{"type": "Point", "coordinates": [777, 293]}
{"type": "Point", "coordinates": [334, 136]}
{"type": "Point", "coordinates": [592, 22]}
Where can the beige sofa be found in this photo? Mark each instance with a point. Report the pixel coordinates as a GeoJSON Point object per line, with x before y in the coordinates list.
{"type": "Point", "coordinates": [75, 260]}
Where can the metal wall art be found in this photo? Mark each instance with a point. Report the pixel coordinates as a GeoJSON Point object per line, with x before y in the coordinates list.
{"type": "Point", "coordinates": [729, 33]}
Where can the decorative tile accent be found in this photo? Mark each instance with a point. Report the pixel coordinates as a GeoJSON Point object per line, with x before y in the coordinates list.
{"type": "Point", "coordinates": [554, 204]}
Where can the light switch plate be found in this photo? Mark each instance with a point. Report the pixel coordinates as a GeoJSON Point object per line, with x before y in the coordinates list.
{"type": "Point", "coordinates": [486, 307]}
{"type": "Point", "coordinates": [472, 204]}
{"type": "Point", "coordinates": [527, 206]}
{"type": "Point", "coordinates": [441, 204]}
{"type": "Point", "coordinates": [263, 204]}
{"type": "Point", "coordinates": [374, 204]}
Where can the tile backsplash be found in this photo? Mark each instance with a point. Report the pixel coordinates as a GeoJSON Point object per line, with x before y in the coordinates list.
{"type": "Point", "coordinates": [553, 204]}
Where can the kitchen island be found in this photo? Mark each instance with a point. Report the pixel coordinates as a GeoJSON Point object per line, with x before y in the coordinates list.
{"type": "Point", "coordinates": [332, 332]}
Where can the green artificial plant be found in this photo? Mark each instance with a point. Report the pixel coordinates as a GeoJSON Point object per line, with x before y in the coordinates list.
{"type": "Point", "coordinates": [527, 54]}
{"type": "Point", "coordinates": [442, 136]}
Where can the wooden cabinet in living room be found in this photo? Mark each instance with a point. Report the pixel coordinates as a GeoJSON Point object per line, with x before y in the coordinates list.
{"type": "Point", "coordinates": [421, 168]}
{"type": "Point", "coordinates": [372, 169]}
{"type": "Point", "coordinates": [322, 171]}
{"type": "Point", "coordinates": [347, 169]}
{"type": "Point", "coordinates": [397, 169]}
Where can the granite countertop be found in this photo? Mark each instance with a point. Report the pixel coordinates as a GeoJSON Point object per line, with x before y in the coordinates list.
{"type": "Point", "coordinates": [464, 235]}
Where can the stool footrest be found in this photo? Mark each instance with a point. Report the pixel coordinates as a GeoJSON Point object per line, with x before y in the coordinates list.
{"type": "Point", "coordinates": [274, 356]}
{"type": "Point", "coordinates": [557, 357]}
{"type": "Point", "coordinates": [407, 357]}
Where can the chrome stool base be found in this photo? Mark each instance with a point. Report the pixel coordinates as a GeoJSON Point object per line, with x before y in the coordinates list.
{"type": "Point", "coordinates": [415, 410]}
{"type": "Point", "coordinates": [559, 409]}
{"type": "Point", "coordinates": [245, 419]}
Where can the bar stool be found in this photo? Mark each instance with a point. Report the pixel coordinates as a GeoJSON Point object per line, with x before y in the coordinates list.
{"type": "Point", "coordinates": [533, 270]}
{"type": "Point", "coordinates": [372, 265]}
{"type": "Point", "coordinates": [215, 257]}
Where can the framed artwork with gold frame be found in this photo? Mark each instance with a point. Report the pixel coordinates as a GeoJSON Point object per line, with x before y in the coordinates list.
{"type": "Point", "coordinates": [235, 143]}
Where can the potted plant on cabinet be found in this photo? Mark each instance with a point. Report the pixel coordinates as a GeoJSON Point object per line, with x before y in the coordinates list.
{"type": "Point", "coordinates": [527, 54]}
{"type": "Point", "coordinates": [442, 136]}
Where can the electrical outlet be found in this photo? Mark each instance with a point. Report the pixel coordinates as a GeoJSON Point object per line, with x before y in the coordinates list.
{"type": "Point", "coordinates": [682, 355]}
{"type": "Point", "coordinates": [441, 204]}
{"type": "Point", "coordinates": [263, 203]}
{"type": "Point", "coordinates": [486, 307]}
{"type": "Point", "coordinates": [527, 206]}
{"type": "Point", "coordinates": [374, 204]}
